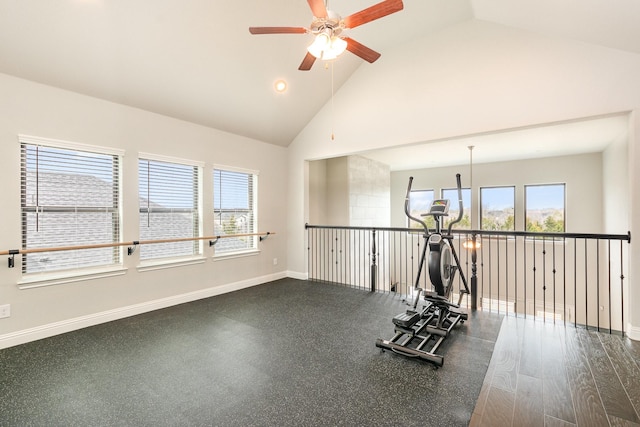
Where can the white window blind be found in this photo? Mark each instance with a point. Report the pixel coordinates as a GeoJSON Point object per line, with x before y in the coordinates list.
{"type": "Point", "coordinates": [169, 206]}
{"type": "Point", "coordinates": [70, 197]}
{"type": "Point", "coordinates": [234, 200]}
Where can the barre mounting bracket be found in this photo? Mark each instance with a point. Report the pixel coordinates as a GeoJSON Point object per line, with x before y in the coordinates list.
{"type": "Point", "coordinates": [12, 258]}
{"type": "Point", "coordinates": [132, 249]}
{"type": "Point", "coordinates": [265, 236]}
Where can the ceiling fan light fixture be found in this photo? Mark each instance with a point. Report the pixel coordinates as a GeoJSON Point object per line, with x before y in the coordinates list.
{"type": "Point", "coordinates": [327, 47]}
{"type": "Point", "coordinates": [338, 45]}
{"type": "Point", "coordinates": [321, 43]}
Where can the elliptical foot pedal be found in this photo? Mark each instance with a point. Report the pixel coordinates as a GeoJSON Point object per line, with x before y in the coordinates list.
{"type": "Point", "coordinates": [434, 298]}
{"type": "Point", "coordinates": [457, 311]}
{"type": "Point", "coordinates": [406, 320]}
{"type": "Point", "coordinates": [432, 295]}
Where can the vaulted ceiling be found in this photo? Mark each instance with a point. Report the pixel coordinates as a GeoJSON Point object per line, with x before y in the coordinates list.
{"type": "Point", "coordinates": [195, 60]}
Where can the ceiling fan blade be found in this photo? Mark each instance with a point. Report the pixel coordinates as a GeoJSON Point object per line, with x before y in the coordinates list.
{"type": "Point", "coordinates": [372, 13]}
{"type": "Point", "coordinates": [307, 62]}
{"type": "Point", "coordinates": [277, 30]}
{"type": "Point", "coordinates": [318, 8]}
{"type": "Point", "coordinates": [361, 50]}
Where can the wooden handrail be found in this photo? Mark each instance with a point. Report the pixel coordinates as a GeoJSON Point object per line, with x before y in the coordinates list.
{"type": "Point", "coordinates": [132, 243]}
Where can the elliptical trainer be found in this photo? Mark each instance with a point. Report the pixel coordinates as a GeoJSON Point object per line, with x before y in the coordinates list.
{"type": "Point", "coordinates": [419, 333]}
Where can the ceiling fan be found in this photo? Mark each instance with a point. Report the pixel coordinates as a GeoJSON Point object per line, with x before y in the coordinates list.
{"type": "Point", "coordinates": [328, 27]}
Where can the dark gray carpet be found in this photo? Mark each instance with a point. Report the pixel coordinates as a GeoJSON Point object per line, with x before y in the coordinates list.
{"type": "Point", "coordinates": [285, 353]}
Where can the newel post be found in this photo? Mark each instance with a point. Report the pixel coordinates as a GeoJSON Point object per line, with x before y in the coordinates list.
{"type": "Point", "coordinates": [474, 270]}
{"type": "Point", "coordinates": [374, 267]}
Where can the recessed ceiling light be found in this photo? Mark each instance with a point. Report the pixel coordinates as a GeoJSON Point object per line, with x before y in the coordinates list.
{"type": "Point", "coordinates": [280, 86]}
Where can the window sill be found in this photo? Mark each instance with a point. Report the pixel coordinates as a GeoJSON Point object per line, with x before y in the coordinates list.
{"type": "Point", "coordinates": [37, 280]}
{"type": "Point", "coordinates": [170, 263]}
{"type": "Point", "coordinates": [232, 255]}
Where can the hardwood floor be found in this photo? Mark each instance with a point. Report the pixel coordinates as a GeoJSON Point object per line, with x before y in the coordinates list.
{"type": "Point", "coordinates": [543, 374]}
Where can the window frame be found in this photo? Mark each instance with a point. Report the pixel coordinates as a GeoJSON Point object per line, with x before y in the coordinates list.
{"type": "Point", "coordinates": [481, 205]}
{"type": "Point", "coordinates": [564, 205]}
{"type": "Point", "coordinates": [219, 253]}
{"type": "Point", "coordinates": [198, 247]}
{"type": "Point", "coordinates": [72, 273]}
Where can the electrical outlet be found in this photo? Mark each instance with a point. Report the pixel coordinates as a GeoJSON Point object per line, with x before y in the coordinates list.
{"type": "Point", "coordinates": [275, 261]}
{"type": "Point", "coordinates": [5, 311]}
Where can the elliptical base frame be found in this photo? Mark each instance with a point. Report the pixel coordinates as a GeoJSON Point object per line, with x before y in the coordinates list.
{"type": "Point", "coordinates": [428, 330]}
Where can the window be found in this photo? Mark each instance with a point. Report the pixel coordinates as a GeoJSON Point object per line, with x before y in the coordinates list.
{"type": "Point", "coordinates": [169, 198]}
{"type": "Point", "coordinates": [235, 209]}
{"type": "Point", "coordinates": [497, 208]}
{"type": "Point", "coordinates": [419, 203]}
{"type": "Point", "coordinates": [69, 197]}
{"type": "Point", "coordinates": [544, 208]}
{"type": "Point", "coordinates": [454, 211]}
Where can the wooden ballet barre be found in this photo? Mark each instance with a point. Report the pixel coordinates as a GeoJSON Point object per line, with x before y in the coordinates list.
{"type": "Point", "coordinates": [131, 245]}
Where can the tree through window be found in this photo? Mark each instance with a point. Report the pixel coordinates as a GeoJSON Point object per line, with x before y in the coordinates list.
{"type": "Point", "coordinates": [497, 208]}
{"type": "Point", "coordinates": [454, 208]}
{"type": "Point", "coordinates": [545, 208]}
{"type": "Point", "coordinates": [419, 202]}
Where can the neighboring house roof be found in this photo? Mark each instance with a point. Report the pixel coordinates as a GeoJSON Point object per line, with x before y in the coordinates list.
{"type": "Point", "coordinates": [79, 190]}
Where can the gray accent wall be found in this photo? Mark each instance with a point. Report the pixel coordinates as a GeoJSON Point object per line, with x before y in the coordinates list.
{"type": "Point", "coordinates": [350, 190]}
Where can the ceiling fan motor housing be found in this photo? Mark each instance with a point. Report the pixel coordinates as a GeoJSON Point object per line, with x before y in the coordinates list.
{"type": "Point", "coordinates": [333, 22]}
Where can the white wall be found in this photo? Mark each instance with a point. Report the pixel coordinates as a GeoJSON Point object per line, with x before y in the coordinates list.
{"type": "Point", "coordinates": [329, 192]}
{"type": "Point", "coordinates": [634, 220]}
{"type": "Point", "coordinates": [615, 186]}
{"type": "Point", "coordinates": [583, 190]}
{"type": "Point", "coordinates": [337, 191]}
{"type": "Point", "coordinates": [318, 192]}
{"type": "Point", "coordinates": [472, 78]}
{"type": "Point", "coordinates": [38, 110]}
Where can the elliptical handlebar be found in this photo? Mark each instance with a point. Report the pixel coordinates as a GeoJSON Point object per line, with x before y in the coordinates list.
{"type": "Point", "coordinates": [406, 207]}
{"type": "Point", "coordinates": [424, 225]}
{"type": "Point", "coordinates": [460, 205]}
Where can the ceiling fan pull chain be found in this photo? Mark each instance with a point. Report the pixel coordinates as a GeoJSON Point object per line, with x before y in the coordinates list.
{"type": "Point", "coordinates": [333, 115]}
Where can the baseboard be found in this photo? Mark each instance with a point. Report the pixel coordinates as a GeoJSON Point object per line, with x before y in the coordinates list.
{"type": "Point", "coordinates": [298, 275]}
{"type": "Point", "coordinates": [56, 328]}
{"type": "Point", "coordinates": [633, 332]}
